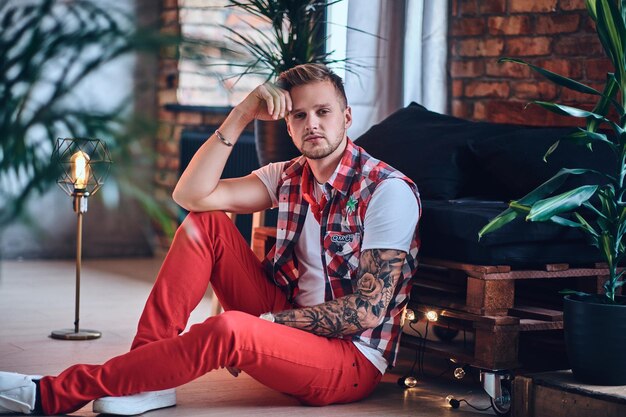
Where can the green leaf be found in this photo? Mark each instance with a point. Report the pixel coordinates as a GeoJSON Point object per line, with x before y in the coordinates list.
{"type": "Point", "coordinates": [545, 209]}
{"type": "Point", "coordinates": [556, 78]}
{"type": "Point", "coordinates": [497, 222]}
{"type": "Point", "coordinates": [585, 224]}
{"type": "Point", "coordinates": [550, 150]}
{"type": "Point", "coordinates": [584, 137]}
{"type": "Point", "coordinates": [607, 199]}
{"type": "Point", "coordinates": [611, 88]}
{"type": "Point", "coordinates": [519, 208]}
{"type": "Point", "coordinates": [551, 185]}
{"type": "Point", "coordinates": [592, 137]}
{"type": "Point", "coordinates": [522, 205]}
{"type": "Point", "coordinates": [562, 221]}
{"type": "Point", "coordinates": [622, 217]}
{"type": "Point", "coordinates": [564, 110]}
{"type": "Point", "coordinates": [573, 292]}
{"type": "Point", "coordinates": [611, 24]}
{"type": "Point", "coordinates": [591, 8]}
{"type": "Point", "coordinates": [591, 207]}
{"type": "Point", "coordinates": [606, 246]}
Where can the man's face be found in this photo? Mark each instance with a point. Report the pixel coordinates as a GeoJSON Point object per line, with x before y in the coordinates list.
{"type": "Point", "coordinates": [318, 122]}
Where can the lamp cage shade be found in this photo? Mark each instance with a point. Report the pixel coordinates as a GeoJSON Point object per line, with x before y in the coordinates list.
{"type": "Point", "coordinates": [84, 164]}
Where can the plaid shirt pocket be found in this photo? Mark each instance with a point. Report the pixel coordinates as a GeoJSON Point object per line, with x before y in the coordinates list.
{"type": "Point", "coordinates": [342, 251]}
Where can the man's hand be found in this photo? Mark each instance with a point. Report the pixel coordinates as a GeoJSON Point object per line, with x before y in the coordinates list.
{"type": "Point", "coordinates": [266, 102]}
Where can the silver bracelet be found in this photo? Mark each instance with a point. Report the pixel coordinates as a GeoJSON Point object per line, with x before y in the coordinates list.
{"type": "Point", "coordinates": [268, 316]}
{"type": "Point", "coordinates": [222, 138]}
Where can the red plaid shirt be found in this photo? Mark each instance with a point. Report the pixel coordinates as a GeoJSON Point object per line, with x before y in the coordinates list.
{"type": "Point", "coordinates": [341, 222]}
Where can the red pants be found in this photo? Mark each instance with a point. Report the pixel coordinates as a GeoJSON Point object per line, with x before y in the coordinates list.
{"type": "Point", "coordinates": [209, 249]}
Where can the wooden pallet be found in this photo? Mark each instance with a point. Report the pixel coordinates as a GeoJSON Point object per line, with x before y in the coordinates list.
{"type": "Point", "coordinates": [491, 290]}
{"type": "Point", "coordinates": [557, 394]}
{"type": "Point", "coordinates": [497, 304]}
{"type": "Point", "coordinates": [491, 342]}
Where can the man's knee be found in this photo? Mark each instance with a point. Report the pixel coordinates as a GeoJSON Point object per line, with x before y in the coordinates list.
{"type": "Point", "coordinates": [230, 323]}
{"type": "Point", "coordinates": [198, 224]}
{"type": "Point", "coordinates": [226, 329]}
{"type": "Point", "coordinates": [207, 218]}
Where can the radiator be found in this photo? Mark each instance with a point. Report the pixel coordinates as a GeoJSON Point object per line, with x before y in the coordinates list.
{"type": "Point", "coordinates": [242, 160]}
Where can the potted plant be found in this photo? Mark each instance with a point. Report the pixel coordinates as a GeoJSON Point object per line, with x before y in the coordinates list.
{"type": "Point", "coordinates": [297, 36]}
{"type": "Point", "coordinates": [593, 323]}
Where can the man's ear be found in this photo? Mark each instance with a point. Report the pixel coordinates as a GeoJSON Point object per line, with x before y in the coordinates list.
{"type": "Point", "coordinates": [348, 116]}
{"type": "Point", "coordinates": [288, 126]}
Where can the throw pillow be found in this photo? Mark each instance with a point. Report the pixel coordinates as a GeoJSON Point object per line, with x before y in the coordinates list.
{"type": "Point", "coordinates": [428, 147]}
{"type": "Point", "coordinates": [515, 159]}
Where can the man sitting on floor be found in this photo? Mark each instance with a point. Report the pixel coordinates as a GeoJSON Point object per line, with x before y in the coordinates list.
{"type": "Point", "coordinates": [319, 319]}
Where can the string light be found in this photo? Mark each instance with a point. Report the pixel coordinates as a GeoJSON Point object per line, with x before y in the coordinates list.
{"type": "Point", "coordinates": [459, 373]}
{"type": "Point", "coordinates": [407, 381]}
{"type": "Point", "coordinates": [432, 315]}
{"type": "Point", "coordinates": [409, 315]}
{"type": "Point", "coordinates": [452, 402]}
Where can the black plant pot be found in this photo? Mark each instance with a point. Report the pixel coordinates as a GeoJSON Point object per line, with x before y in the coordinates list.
{"type": "Point", "coordinates": [595, 339]}
{"type": "Point", "coordinates": [273, 143]}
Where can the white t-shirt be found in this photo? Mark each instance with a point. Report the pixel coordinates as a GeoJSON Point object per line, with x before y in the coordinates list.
{"type": "Point", "coordinates": [389, 223]}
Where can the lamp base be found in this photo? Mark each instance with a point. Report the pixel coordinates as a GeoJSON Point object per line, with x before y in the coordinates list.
{"type": "Point", "coordinates": [70, 334]}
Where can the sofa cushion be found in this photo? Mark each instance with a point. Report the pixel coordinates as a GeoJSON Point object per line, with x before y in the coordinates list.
{"type": "Point", "coordinates": [449, 230]}
{"type": "Point", "coordinates": [514, 160]}
{"type": "Point", "coordinates": [428, 147]}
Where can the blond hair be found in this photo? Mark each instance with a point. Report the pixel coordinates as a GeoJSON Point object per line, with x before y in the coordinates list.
{"type": "Point", "coordinates": [310, 73]}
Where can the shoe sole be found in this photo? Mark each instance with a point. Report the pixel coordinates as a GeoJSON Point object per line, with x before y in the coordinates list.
{"type": "Point", "coordinates": [116, 407]}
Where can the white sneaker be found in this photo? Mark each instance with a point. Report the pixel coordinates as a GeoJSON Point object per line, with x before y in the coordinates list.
{"type": "Point", "coordinates": [17, 393]}
{"type": "Point", "coordinates": [131, 405]}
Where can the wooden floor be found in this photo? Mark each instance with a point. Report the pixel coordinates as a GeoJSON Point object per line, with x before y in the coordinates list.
{"type": "Point", "coordinates": [38, 296]}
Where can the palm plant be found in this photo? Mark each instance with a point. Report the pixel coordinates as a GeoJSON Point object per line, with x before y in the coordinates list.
{"type": "Point", "coordinates": [47, 49]}
{"type": "Point", "coordinates": [297, 37]}
{"type": "Point", "coordinates": [599, 210]}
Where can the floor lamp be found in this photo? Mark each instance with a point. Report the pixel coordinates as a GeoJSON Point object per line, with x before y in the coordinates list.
{"type": "Point", "coordinates": [84, 166]}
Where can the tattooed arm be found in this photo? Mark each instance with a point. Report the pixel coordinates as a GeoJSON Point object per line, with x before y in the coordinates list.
{"type": "Point", "coordinates": [378, 274]}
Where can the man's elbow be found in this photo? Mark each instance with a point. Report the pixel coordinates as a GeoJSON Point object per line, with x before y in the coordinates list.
{"type": "Point", "coordinates": [184, 201]}
{"type": "Point", "coordinates": [178, 198]}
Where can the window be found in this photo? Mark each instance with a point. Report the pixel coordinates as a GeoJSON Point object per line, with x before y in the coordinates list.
{"type": "Point", "coordinates": [201, 81]}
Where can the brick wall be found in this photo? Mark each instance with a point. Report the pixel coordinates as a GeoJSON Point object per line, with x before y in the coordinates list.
{"type": "Point", "coordinates": [168, 136]}
{"type": "Point", "coordinates": [555, 34]}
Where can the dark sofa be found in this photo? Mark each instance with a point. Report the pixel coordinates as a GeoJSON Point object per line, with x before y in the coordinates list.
{"type": "Point", "coordinates": [467, 172]}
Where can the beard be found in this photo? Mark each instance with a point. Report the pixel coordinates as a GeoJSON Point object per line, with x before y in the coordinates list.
{"type": "Point", "coordinates": [323, 149]}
